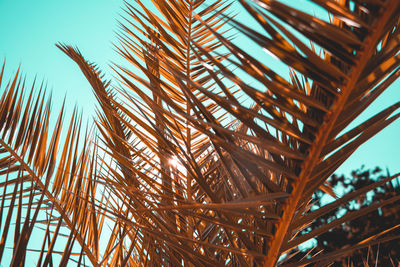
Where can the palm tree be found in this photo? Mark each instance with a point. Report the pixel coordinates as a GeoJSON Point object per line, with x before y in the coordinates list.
{"type": "Point", "coordinates": [352, 232]}
{"type": "Point", "coordinates": [206, 155]}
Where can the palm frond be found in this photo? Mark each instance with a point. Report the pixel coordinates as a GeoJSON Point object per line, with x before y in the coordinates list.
{"type": "Point", "coordinates": [43, 172]}
{"type": "Point", "coordinates": [338, 84]}
{"type": "Point", "coordinates": [215, 156]}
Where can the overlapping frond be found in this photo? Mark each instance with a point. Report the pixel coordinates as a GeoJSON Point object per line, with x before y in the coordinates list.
{"type": "Point", "coordinates": [47, 182]}
{"type": "Point", "coordinates": [215, 154]}
{"type": "Point", "coordinates": [168, 157]}
{"type": "Point", "coordinates": [304, 120]}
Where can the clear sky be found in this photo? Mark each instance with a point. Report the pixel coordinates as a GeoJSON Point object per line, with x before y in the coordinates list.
{"type": "Point", "coordinates": [29, 30]}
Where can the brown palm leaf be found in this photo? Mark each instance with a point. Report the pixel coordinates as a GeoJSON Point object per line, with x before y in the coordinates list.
{"type": "Point", "coordinates": [48, 181]}
{"type": "Point", "coordinates": [215, 156]}
{"type": "Point", "coordinates": [344, 82]}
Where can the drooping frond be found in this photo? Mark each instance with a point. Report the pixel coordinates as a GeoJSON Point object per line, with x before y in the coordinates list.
{"type": "Point", "coordinates": [216, 155]}
{"type": "Point", "coordinates": [47, 185]}
{"type": "Point", "coordinates": [303, 120]}
{"type": "Point", "coordinates": [168, 156]}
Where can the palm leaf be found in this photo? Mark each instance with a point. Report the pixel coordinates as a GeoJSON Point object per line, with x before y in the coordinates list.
{"type": "Point", "coordinates": [37, 177]}
{"type": "Point", "coordinates": [338, 81]}
{"type": "Point", "coordinates": [215, 156]}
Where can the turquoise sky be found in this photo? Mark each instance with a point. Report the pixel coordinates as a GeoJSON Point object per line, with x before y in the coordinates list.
{"type": "Point", "coordinates": [29, 30]}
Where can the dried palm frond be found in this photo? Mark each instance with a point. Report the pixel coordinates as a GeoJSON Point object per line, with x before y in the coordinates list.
{"type": "Point", "coordinates": [47, 181]}
{"type": "Point", "coordinates": [217, 154]}
{"type": "Point", "coordinates": [357, 65]}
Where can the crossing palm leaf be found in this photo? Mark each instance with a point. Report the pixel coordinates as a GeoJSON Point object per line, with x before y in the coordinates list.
{"type": "Point", "coordinates": [47, 186]}
{"type": "Point", "coordinates": [217, 154]}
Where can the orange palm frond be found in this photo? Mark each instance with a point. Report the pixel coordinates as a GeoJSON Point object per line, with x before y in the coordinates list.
{"type": "Point", "coordinates": [215, 156]}
{"type": "Point", "coordinates": [44, 173]}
